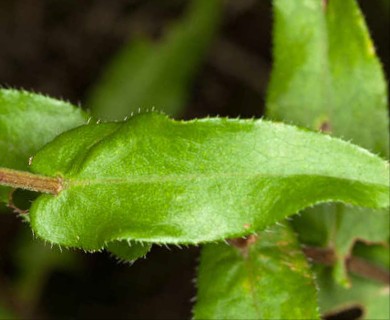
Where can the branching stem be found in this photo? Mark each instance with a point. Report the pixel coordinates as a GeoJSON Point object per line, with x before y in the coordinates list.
{"type": "Point", "coordinates": [356, 265]}
{"type": "Point", "coordinates": [29, 181]}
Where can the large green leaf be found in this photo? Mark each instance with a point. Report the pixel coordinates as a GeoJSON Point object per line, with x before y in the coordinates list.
{"type": "Point", "coordinates": [327, 77]}
{"type": "Point", "coordinates": [27, 122]}
{"type": "Point", "coordinates": [158, 180]}
{"type": "Point", "coordinates": [146, 75]}
{"type": "Point", "coordinates": [263, 277]}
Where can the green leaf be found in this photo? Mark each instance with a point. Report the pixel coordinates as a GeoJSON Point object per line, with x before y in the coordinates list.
{"type": "Point", "coordinates": [158, 180]}
{"type": "Point", "coordinates": [263, 277]}
{"type": "Point", "coordinates": [147, 75]}
{"type": "Point", "coordinates": [27, 122]}
{"type": "Point", "coordinates": [332, 44]}
{"type": "Point", "coordinates": [327, 77]}
{"type": "Point", "coordinates": [372, 297]}
{"type": "Point", "coordinates": [128, 251]}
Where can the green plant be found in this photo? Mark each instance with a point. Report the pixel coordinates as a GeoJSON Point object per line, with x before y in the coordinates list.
{"type": "Point", "coordinates": [228, 184]}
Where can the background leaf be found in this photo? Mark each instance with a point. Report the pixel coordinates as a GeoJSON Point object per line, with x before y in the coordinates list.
{"type": "Point", "coordinates": [6, 315]}
{"type": "Point", "coordinates": [167, 181]}
{"type": "Point", "coordinates": [36, 261]}
{"type": "Point", "coordinates": [329, 41]}
{"type": "Point", "coordinates": [370, 296]}
{"type": "Point", "coordinates": [262, 277]}
{"type": "Point", "coordinates": [332, 44]}
{"type": "Point", "coordinates": [147, 75]}
{"type": "Point", "coordinates": [27, 122]}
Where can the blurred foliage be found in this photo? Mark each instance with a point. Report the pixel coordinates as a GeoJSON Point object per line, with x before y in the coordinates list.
{"type": "Point", "coordinates": [147, 75]}
{"type": "Point", "coordinates": [6, 315]}
{"type": "Point", "coordinates": [36, 261]}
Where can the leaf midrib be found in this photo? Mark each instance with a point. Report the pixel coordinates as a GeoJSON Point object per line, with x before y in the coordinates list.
{"type": "Point", "coordinates": [69, 182]}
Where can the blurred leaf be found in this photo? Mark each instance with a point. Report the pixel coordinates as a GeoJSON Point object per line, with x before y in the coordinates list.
{"type": "Point", "coordinates": [264, 277]}
{"type": "Point", "coordinates": [3, 199]}
{"type": "Point", "coordinates": [372, 297]}
{"type": "Point", "coordinates": [27, 122]}
{"type": "Point", "coordinates": [128, 251]}
{"type": "Point", "coordinates": [146, 75]}
{"type": "Point", "coordinates": [6, 314]}
{"type": "Point", "coordinates": [158, 180]}
{"type": "Point", "coordinates": [36, 261]}
{"type": "Point", "coordinates": [386, 6]}
{"type": "Point", "coordinates": [327, 77]}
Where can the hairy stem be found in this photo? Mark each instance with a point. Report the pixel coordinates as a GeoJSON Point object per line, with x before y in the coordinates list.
{"type": "Point", "coordinates": [29, 181]}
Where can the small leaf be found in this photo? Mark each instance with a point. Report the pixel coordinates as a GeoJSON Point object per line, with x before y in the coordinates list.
{"type": "Point", "coordinates": [128, 251]}
{"type": "Point", "coordinates": [147, 75]}
{"type": "Point", "coordinates": [27, 122]}
{"type": "Point", "coordinates": [263, 277]}
{"type": "Point", "coordinates": [157, 180]}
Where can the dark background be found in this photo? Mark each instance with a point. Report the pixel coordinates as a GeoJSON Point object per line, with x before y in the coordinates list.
{"type": "Point", "coordinates": [60, 47]}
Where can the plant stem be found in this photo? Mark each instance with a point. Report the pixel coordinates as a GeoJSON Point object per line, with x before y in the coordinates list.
{"type": "Point", "coordinates": [366, 269]}
{"type": "Point", "coordinates": [325, 256]}
{"type": "Point", "coordinates": [29, 181]}
{"type": "Point", "coordinates": [362, 267]}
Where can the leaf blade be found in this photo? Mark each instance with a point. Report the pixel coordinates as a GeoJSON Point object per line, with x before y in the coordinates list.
{"type": "Point", "coordinates": [180, 177]}
{"type": "Point", "coordinates": [264, 277]}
